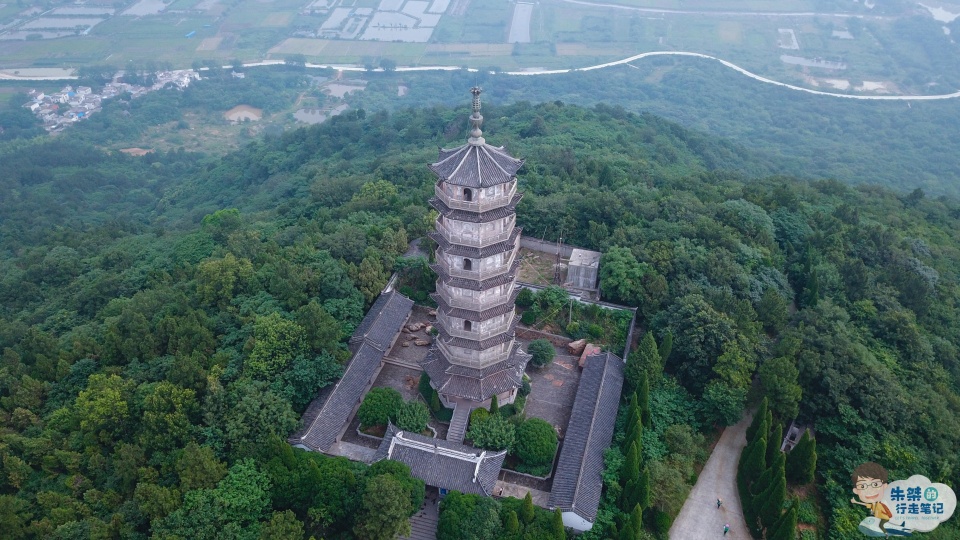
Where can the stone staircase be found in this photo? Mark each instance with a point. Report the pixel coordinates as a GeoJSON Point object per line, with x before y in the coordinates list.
{"type": "Point", "coordinates": [458, 424]}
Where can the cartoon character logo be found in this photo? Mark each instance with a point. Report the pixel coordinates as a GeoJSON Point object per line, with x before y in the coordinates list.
{"type": "Point", "coordinates": [902, 507]}
{"type": "Point", "coordinates": [869, 484]}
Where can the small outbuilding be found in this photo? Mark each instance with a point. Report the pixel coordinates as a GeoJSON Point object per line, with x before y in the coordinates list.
{"type": "Point", "coordinates": [583, 270]}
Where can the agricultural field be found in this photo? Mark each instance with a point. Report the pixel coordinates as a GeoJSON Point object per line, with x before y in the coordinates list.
{"type": "Point", "coordinates": [897, 47]}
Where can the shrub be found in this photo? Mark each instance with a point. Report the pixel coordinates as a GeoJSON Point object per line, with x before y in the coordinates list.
{"type": "Point", "coordinates": [528, 317]}
{"type": "Point", "coordinates": [806, 512]}
{"type": "Point", "coordinates": [595, 331]}
{"type": "Point", "coordinates": [519, 404]}
{"type": "Point", "coordinates": [525, 387]}
{"type": "Point", "coordinates": [412, 416]}
{"type": "Point", "coordinates": [525, 298]}
{"type": "Point", "coordinates": [542, 352]}
{"type": "Point", "coordinates": [662, 522]}
{"type": "Point", "coordinates": [536, 443]}
{"type": "Point", "coordinates": [575, 330]}
{"type": "Point", "coordinates": [379, 406]}
{"type": "Point", "coordinates": [494, 433]}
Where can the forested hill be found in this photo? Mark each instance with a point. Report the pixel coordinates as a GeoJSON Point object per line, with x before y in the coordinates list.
{"type": "Point", "coordinates": [165, 318]}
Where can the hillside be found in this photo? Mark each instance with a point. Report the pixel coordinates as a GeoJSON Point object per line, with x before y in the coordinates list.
{"type": "Point", "coordinates": [140, 297]}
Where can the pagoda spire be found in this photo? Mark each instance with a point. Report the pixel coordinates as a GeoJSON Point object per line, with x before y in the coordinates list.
{"type": "Point", "coordinates": [476, 119]}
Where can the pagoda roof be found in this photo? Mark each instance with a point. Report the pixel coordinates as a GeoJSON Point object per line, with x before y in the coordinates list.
{"type": "Point", "coordinates": [478, 284]}
{"type": "Point", "coordinates": [476, 217]}
{"type": "Point", "coordinates": [472, 383]}
{"type": "Point", "coordinates": [443, 464]}
{"type": "Point", "coordinates": [478, 344]}
{"type": "Point", "coordinates": [473, 315]}
{"type": "Point", "coordinates": [578, 482]}
{"type": "Point", "coordinates": [461, 250]}
{"type": "Point", "coordinates": [476, 165]}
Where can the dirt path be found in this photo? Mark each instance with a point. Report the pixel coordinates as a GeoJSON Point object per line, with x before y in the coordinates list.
{"type": "Point", "coordinates": [700, 518]}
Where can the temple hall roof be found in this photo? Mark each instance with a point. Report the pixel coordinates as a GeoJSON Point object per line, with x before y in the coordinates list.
{"type": "Point", "coordinates": [441, 463]}
{"type": "Point", "coordinates": [577, 483]}
{"type": "Point", "coordinates": [325, 417]}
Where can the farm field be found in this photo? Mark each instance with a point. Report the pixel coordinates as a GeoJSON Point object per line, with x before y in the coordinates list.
{"type": "Point", "coordinates": [899, 47]}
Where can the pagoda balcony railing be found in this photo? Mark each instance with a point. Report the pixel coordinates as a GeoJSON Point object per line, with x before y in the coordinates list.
{"type": "Point", "coordinates": [473, 241]}
{"type": "Point", "coordinates": [473, 304]}
{"type": "Point", "coordinates": [478, 336]}
{"type": "Point", "coordinates": [476, 274]}
{"type": "Point", "coordinates": [475, 206]}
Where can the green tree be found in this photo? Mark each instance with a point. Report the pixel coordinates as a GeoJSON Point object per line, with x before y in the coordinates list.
{"type": "Point", "coordinates": [412, 416]}
{"type": "Point", "coordinates": [536, 442]}
{"type": "Point", "coordinates": [758, 418]}
{"type": "Point", "coordinates": [773, 498]}
{"type": "Point", "coordinates": [722, 404]}
{"type": "Point", "coordinates": [512, 523]}
{"type": "Point", "coordinates": [778, 378]}
{"type": "Point", "coordinates": [753, 462]}
{"type": "Point", "coordinates": [379, 406]}
{"type": "Point", "coordinates": [220, 280]}
{"type": "Point", "coordinates": [666, 347]}
{"type": "Point", "coordinates": [786, 527]}
{"type": "Point", "coordinates": [384, 511]}
{"type": "Point", "coordinates": [321, 331]}
{"type": "Point", "coordinates": [774, 440]}
{"type": "Point", "coordinates": [103, 408]}
{"type": "Point", "coordinates": [277, 341]}
{"type": "Point", "coordinates": [645, 361]}
{"type": "Point", "coordinates": [198, 467]}
{"type": "Point", "coordinates": [494, 405]}
{"type": "Point", "coordinates": [494, 433]}
{"type": "Point", "coordinates": [559, 533]}
{"type": "Point", "coordinates": [282, 526]}
{"type": "Point", "coordinates": [526, 510]}
{"type": "Point", "coordinates": [802, 460]}
{"type": "Point", "coordinates": [13, 517]}
{"type": "Point", "coordinates": [772, 311]}
{"type": "Point", "coordinates": [541, 351]}
{"type": "Point", "coordinates": [621, 276]}
{"type": "Point", "coordinates": [166, 418]}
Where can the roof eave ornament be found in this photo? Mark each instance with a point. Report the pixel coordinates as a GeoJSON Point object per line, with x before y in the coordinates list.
{"type": "Point", "coordinates": [476, 119]}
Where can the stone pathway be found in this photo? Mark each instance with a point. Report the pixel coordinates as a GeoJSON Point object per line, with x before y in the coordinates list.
{"type": "Point", "coordinates": [700, 518]}
{"type": "Point", "coordinates": [423, 524]}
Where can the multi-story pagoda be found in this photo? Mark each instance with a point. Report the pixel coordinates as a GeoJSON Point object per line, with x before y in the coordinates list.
{"type": "Point", "coordinates": [475, 355]}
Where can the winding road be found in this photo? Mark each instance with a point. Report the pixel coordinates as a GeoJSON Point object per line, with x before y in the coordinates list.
{"type": "Point", "coordinates": [535, 72]}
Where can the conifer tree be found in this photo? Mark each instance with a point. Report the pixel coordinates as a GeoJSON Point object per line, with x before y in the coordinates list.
{"type": "Point", "coordinates": [633, 414]}
{"type": "Point", "coordinates": [631, 464]}
{"type": "Point", "coordinates": [494, 405]}
{"type": "Point", "coordinates": [629, 478]}
{"type": "Point", "coordinates": [643, 399]}
{"type": "Point", "coordinates": [526, 510]}
{"type": "Point", "coordinates": [666, 347]}
{"type": "Point", "coordinates": [559, 533]}
{"type": "Point", "coordinates": [786, 527]}
{"type": "Point", "coordinates": [645, 361]}
{"type": "Point", "coordinates": [758, 419]}
{"type": "Point", "coordinates": [643, 488]}
{"type": "Point", "coordinates": [636, 519]}
{"type": "Point", "coordinates": [627, 533]}
{"type": "Point", "coordinates": [773, 502]}
{"type": "Point", "coordinates": [802, 460]}
{"type": "Point", "coordinates": [754, 460]}
{"type": "Point", "coordinates": [774, 441]}
{"type": "Point", "coordinates": [635, 435]}
{"type": "Point", "coordinates": [512, 523]}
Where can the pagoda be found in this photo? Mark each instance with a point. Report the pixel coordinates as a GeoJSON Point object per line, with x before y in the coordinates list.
{"type": "Point", "coordinates": [475, 355]}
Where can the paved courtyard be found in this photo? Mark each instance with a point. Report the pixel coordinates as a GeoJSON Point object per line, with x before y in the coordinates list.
{"type": "Point", "coordinates": [553, 389]}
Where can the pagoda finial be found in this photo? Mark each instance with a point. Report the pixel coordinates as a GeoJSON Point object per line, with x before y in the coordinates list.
{"type": "Point", "coordinates": [476, 119]}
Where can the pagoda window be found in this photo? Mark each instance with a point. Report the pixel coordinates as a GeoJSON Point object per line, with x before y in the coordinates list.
{"type": "Point", "coordinates": [467, 264]}
{"type": "Point", "coordinates": [467, 194]}
{"type": "Point", "coordinates": [468, 326]}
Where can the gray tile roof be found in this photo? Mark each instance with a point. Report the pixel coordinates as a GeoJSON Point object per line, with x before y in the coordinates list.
{"type": "Point", "coordinates": [326, 415]}
{"type": "Point", "coordinates": [577, 483]}
{"type": "Point", "coordinates": [476, 165]}
{"type": "Point", "coordinates": [471, 383]}
{"type": "Point", "coordinates": [473, 252]}
{"type": "Point", "coordinates": [477, 217]}
{"type": "Point", "coordinates": [441, 463]}
{"type": "Point", "coordinates": [385, 318]}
